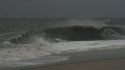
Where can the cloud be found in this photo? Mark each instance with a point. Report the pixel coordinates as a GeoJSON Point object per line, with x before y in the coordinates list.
{"type": "Point", "coordinates": [62, 8]}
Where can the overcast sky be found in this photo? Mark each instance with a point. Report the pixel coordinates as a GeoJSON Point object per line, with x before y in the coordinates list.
{"type": "Point", "coordinates": [62, 8]}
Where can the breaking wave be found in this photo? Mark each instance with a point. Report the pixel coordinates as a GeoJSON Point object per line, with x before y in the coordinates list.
{"type": "Point", "coordinates": [72, 30]}
{"type": "Point", "coordinates": [68, 30]}
{"type": "Point", "coordinates": [72, 33]}
{"type": "Point", "coordinates": [40, 42]}
{"type": "Point", "coordinates": [26, 38]}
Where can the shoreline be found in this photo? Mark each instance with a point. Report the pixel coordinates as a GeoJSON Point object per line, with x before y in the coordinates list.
{"type": "Point", "coordinates": [112, 58]}
{"type": "Point", "coordinates": [82, 58]}
{"type": "Point", "coordinates": [77, 59]}
{"type": "Point", "coordinates": [111, 64]}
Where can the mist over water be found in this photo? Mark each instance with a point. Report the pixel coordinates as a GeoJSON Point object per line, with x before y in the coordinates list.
{"type": "Point", "coordinates": [79, 22]}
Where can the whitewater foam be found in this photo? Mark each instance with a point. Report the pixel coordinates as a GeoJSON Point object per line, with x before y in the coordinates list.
{"type": "Point", "coordinates": [88, 45]}
{"type": "Point", "coordinates": [24, 51]}
{"type": "Point", "coordinates": [41, 48]}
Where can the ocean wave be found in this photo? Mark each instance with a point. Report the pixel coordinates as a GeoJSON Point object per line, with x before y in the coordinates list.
{"type": "Point", "coordinates": [74, 35]}
{"type": "Point", "coordinates": [68, 30]}
{"type": "Point", "coordinates": [69, 36]}
{"type": "Point", "coordinates": [71, 33]}
{"type": "Point", "coordinates": [84, 33]}
{"type": "Point", "coordinates": [76, 38]}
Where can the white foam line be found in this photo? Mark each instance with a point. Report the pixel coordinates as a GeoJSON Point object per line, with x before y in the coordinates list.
{"type": "Point", "coordinates": [38, 49]}
{"type": "Point", "coordinates": [88, 45]}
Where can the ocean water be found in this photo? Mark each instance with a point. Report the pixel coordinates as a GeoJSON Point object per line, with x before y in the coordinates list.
{"type": "Point", "coordinates": [26, 41]}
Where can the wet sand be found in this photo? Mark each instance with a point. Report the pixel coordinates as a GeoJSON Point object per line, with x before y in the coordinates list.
{"type": "Point", "coordinates": [114, 64]}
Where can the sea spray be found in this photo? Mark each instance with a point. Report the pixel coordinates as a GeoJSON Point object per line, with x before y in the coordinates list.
{"type": "Point", "coordinates": [80, 22]}
{"type": "Point", "coordinates": [36, 49]}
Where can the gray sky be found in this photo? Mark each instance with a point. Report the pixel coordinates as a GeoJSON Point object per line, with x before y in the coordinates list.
{"type": "Point", "coordinates": [62, 8]}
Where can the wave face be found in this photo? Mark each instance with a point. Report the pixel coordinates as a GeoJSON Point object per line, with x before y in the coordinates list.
{"type": "Point", "coordinates": [71, 33]}
{"type": "Point", "coordinates": [81, 33]}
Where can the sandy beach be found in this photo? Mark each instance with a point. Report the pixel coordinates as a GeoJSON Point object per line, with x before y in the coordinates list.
{"type": "Point", "coordinates": [114, 64]}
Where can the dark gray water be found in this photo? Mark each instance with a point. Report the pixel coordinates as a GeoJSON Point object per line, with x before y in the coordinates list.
{"type": "Point", "coordinates": [20, 31]}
